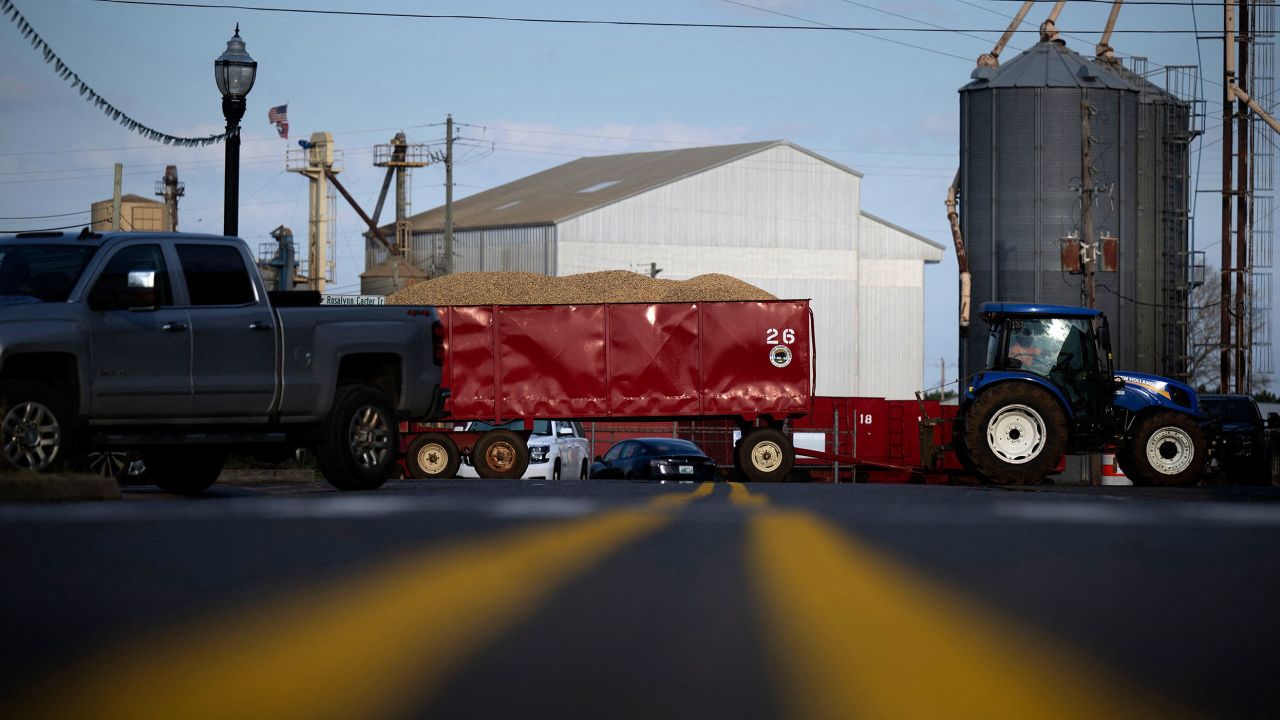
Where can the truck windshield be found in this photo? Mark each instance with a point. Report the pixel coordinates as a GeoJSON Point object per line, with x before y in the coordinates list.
{"type": "Point", "coordinates": [41, 272]}
{"type": "Point", "coordinates": [540, 427]}
{"type": "Point", "coordinates": [1230, 409]}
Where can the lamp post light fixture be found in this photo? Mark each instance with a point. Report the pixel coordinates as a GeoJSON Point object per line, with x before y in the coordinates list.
{"type": "Point", "coordinates": [234, 72]}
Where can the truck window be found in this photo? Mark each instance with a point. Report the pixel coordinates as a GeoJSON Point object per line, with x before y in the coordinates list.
{"type": "Point", "coordinates": [115, 276]}
{"type": "Point", "coordinates": [216, 275]}
{"type": "Point", "coordinates": [41, 272]}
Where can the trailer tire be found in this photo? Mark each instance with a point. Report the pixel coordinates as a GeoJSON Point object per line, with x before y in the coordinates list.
{"type": "Point", "coordinates": [36, 426]}
{"type": "Point", "coordinates": [184, 471]}
{"type": "Point", "coordinates": [764, 454]}
{"type": "Point", "coordinates": [500, 454]}
{"type": "Point", "coordinates": [1167, 450]}
{"type": "Point", "coordinates": [359, 439]}
{"type": "Point", "coordinates": [433, 456]}
{"type": "Point", "coordinates": [1014, 434]}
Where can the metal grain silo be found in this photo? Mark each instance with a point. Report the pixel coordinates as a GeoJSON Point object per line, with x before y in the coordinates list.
{"type": "Point", "coordinates": [1166, 126]}
{"type": "Point", "coordinates": [1020, 180]}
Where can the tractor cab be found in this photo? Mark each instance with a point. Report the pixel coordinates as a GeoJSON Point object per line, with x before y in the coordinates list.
{"type": "Point", "coordinates": [1068, 347]}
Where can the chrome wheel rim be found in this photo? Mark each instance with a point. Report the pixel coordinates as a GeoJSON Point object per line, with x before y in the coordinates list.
{"type": "Point", "coordinates": [433, 458]}
{"type": "Point", "coordinates": [109, 464]}
{"type": "Point", "coordinates": [369, 435]}
{"type": "Point", "coordinates": [1170, 450]}
{"type": "Point", "coordinates": [1016, 434]}
{"type": "Point", "coordinates": [766, 456]}
{"type": "Point", "coordinates": [32, 436]}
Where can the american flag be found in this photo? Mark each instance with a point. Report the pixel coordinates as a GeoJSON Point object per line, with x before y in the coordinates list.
{"type": "Point", "coordinates": [280, 116]}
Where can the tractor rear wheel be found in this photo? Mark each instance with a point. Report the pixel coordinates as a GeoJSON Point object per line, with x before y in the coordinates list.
{"type": "Point", "coordinates": [1014, 433]}
{"type": "Point", "coordinates": [1167, 449]}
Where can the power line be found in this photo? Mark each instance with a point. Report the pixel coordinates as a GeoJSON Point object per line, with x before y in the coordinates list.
{"type": "Point", "coordinates": [615, 23]}
{"type": "Point", "coordinates": [44, 217]}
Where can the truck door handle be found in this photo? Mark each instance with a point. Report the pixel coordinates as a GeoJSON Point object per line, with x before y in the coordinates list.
{"type": "Point", "coordinates": [174, 327]}
{"type": "Point", "coordinates": [259, 325]}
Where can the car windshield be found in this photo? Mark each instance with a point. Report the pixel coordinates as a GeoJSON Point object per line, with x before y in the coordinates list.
{"type": "Point", "coordinates": [1232, 410]}
{"type": "Point", "coordinates": [41, 272]}
{"type": "Point", "coordinates": [669, 447]}
{"type": "Point", "coordinates": [540, 427]}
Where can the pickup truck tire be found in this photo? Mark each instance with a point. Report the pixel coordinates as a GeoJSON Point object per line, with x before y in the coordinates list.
{"type": "Point", "coordinates": [764, 454]}
{"type": "Point", "coordinates": [1014, 433]}
{"type": "Point", "coordinates": [1167, 449]}
{"type": "Point", "coordinates": [500, 454]}
{"type": "Point", "coordinates": [36, 429]}
{"type": "Point", "coordinates": [360, 439]}
{"type": "Point", "coordinates": [123, 466]}
{"type": "Point", "coordinates": [184, 471]}
{"type": "Point", "coordinates": [433, 456]}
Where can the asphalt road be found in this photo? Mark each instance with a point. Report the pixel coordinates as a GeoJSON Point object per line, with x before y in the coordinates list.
{"type": "Point", "coordinates": [476, 599]}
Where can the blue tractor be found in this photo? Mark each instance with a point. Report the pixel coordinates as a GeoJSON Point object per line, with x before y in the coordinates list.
{"type": "Point", "coordinates": [1048, 389]}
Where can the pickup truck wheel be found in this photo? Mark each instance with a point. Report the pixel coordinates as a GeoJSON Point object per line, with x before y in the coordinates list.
{"type": "Point", "coordinates": [35, 426]}
{"type": "Point", "coordinates": [433, 456]}
{"type": "Point", "coordinates": [357, 448]}
{"type": "Point", "coordinates": [1015, 433]}
{"type": "Point", "coordinates": [123, 466]}
{"type": "Point", "coordinates": [764, 455]}
{"type": "Point", "coordinates": [184, 471]}
{"type": "Point", "coordinates": [500, 455]}
{"type": "Point", "coordinates": [1167, 449]}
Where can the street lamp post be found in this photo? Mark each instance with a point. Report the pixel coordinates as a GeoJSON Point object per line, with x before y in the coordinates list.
{"type": "Point", "coordinates": [234, 72]}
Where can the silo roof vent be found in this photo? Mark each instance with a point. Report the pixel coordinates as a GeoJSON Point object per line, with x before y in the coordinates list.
{"type": "Point", "coordinates": [1048, 64]}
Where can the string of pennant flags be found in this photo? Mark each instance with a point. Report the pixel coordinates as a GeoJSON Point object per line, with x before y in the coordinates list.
{"type": "Point", "coordinates": [63, 71]}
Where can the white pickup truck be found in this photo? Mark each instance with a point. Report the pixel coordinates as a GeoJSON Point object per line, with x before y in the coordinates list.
{"type": "Point", "coordinates": [557, 449]}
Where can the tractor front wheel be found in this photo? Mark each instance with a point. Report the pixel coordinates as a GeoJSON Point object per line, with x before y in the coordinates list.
{"type": "Point", "coordinates": [1167, 449]}
{"type": "Point", "coordinates": [1014, 434]}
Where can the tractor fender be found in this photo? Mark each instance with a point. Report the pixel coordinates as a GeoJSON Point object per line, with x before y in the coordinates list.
{"type": "Point", "coordinates": [985, 380]}
{"type": "Point", "coordinates": [1149, 392]}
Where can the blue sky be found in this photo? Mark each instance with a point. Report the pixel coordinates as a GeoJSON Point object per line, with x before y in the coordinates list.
{"type": "Point", "coordinates": [541, 94]}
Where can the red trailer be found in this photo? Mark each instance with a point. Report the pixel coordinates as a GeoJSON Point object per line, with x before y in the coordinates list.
{"type": "Point", "coordinates": [749, 361]}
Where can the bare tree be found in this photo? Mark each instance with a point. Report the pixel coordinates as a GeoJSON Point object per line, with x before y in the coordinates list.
{"type": "Point", "coordinates": [1204, 336]}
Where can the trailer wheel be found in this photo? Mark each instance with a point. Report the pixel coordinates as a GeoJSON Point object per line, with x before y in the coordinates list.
{"type": "Point", "coordinates": [35, 426]}
{"type": "Point", "coordinates": [764, 454]}
{"type": "Point", "coordinates": [1014, 434]}
{"type": "Point", "coordinates": [184, 471]}
{"type": "Point", "coordinates": [500, 455]}
{"type": "Point", "coordinates": [1167, 449]}
{"type": "Point", "coordinates": [358, 441]}
{"type": "Point", "coordinates": [433, 456]}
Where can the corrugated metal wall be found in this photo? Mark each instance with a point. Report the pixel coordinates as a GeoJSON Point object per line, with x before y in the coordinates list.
{"type": "Point", "coordinates": [525, 249]}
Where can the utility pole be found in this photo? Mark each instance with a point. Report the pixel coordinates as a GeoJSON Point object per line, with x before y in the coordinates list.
{"type": "Point", "coordinates": [1244, 192]}
{"type": "Point", "coordinates": [1228, 185]}
{"type": "Point", "coordinates": [448, 195]}
{"type": "Point", "coordinates": [115, 198]}
{"type": "Point", "coordinates": [942, 384]}
{"type": "Point", "coordinates": [170, 189]}
{"type": "Point", "coordinates": [1088, 245]}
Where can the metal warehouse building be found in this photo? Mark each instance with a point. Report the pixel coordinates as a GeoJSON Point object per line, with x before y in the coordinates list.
{"type": "Point", "coordinates": [771, 213]}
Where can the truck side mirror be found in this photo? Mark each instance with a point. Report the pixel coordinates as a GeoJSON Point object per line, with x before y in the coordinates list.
{"type": "Point", "coordinates": [1273, 420]}
{"type": "Point", "coordinates": [138, 291]}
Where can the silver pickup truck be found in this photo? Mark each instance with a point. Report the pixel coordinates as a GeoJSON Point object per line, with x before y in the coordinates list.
{"type": "Point", "coordinates": [169, 346]}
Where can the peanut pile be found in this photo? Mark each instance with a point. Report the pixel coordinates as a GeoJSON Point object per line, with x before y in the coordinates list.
{"type": "Point", "coordinates": [609, 286]}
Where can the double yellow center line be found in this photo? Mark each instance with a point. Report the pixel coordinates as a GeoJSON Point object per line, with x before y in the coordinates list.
{"type": "Point", "coordinates": [849, 634]}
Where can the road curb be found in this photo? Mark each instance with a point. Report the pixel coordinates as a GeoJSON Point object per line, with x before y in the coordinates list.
{"type": "Point", "coordinates": [33, 487]}
{"type": "Point", "coordinates": [266, 476]}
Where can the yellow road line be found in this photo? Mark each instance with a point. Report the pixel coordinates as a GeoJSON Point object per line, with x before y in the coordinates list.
{"type": "Point", "coordinates": [366, 647]}
{"type": "Point", "coordinates": [853, 635]}
{"type": "Point", "coordinates": [671, 501]}
{"type": "Point", "coordinates": [742, 497]}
